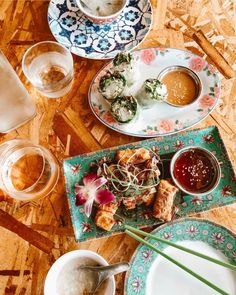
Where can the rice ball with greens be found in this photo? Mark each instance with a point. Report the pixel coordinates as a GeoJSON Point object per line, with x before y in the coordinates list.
{"type": "Point", "coordinates": [124, 63]}
{"type": "Point", "coordinates": [151, 92]}
{"type": "Point", "coordinates": [124, 109]}
{"type": "Point", "coordinates": [112, 85]}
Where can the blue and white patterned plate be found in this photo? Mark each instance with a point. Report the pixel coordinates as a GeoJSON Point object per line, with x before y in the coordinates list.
{"type": "Point", "coordinates": [73, 30]}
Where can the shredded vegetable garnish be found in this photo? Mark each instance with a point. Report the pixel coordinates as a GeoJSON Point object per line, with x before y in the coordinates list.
{"type": "Point", "coordinates": [133, 177]}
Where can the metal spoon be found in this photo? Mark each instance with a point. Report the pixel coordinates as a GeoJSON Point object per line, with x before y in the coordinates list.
{"type": "Point", "coordinates": [101, 273]}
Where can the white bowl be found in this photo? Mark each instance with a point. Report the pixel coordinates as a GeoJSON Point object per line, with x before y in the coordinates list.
{"type": "Point", "coordinates": [50, 282]}
{"type": "Point", "coordinates": [101, 19]}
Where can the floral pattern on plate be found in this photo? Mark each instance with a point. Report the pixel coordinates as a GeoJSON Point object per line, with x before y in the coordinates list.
{"type": "Point", "coordinates": [84, 38]}
{"type": "Point", "coordinates": [190, 229]}
{"type": "Point", "coordinates": [77, 167]}
{"type": "Point", "coordinates": [162, 119]}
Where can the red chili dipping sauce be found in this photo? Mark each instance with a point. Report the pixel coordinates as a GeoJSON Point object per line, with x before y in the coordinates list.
{"type": "Point", "coordinates": [194, 171]}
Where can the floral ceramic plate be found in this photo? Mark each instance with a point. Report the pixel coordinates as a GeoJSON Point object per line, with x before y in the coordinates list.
{"type": "Point", "coordinates": [73, 30]}
{"type": "Point", "coordinates": [162, 119]}
{"type": "Point", "coordinates": [77, 167]}
{"type": "Point", "coordinates": [150, 274]}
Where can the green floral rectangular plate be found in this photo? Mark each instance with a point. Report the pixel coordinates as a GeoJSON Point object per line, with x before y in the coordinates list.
{"type": "Point", "coordinates": [75, 168]}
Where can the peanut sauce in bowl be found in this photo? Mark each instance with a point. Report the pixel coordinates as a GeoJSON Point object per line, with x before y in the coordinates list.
{"type": "Point", "coordinates": [195, 170]}
{"type": "Point", "coordinates": [183, 85]}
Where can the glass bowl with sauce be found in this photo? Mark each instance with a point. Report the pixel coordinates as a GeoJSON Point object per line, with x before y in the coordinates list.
{"type": "Point", "coordinates": [195, 170]}
{"type": "Point", "coordinates": [183, 85]}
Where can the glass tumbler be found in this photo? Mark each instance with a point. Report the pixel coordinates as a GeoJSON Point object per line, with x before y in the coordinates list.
{"type": "Point", "coordinates": [49, 67]}
{"type": "Point", "coordinates": [28, 171]}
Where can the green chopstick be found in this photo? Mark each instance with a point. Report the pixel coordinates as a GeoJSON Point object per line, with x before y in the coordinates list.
{"type": "Point", "coordinates": [225, 264]}
{"type": "Point", "coordinates": [208, 283]}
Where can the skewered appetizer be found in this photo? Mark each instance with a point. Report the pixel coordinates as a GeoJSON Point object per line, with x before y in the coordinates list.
{"type": "Point", "coordinates": [124, 109]}
{"type": "Point", "coordinates": [151, 92]}
{"type": "Point", "coordinates": [112, 85]}
{"type": "Point", "coordinates": [124, 63]}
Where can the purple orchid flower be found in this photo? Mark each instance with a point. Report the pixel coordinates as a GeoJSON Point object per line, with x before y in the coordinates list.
{"type": "Point", "coordinates": [91, 191]}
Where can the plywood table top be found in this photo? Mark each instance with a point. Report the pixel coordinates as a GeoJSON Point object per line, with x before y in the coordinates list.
{"type": "Point", "coordinates": [67, 127]}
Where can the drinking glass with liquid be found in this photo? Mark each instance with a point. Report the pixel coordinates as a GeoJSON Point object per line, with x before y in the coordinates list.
{"type": "Point", "coordinates": [49, 67]}
{"type": "Point", "coordinates": [28, 171]}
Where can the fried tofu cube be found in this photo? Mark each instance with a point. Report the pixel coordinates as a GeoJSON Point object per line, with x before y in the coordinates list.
{"type": "Point", "coordinates": [104, 220]}
{"type": "Point", "coordinates": [129, 203]}
{"type": "Point", "coordinates": [105, 215]}
{"type": "Point", "coordinates": [148, 198]}
{"type": "Point", "coordinates": [111, 207]}
{"type": "Point", "coordinates": [132, 157]}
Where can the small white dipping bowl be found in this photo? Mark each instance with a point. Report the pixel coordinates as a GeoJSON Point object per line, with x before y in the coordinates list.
{"type": "Point", "coordinates": [52, 276]}
{"type": "Point", "coordinates": [101, 20]}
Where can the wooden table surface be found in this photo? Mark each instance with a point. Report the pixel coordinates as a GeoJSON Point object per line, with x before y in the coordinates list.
{"type": "Point", "coordinates": [67, 127]}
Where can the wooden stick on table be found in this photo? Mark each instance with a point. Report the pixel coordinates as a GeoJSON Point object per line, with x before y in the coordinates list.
{"type": "Point", "coordinates": [26, 233]}
{"type": "Point", "coordinates": [214, 54]}
{"type": "Point", "coordinates": [216, 57]}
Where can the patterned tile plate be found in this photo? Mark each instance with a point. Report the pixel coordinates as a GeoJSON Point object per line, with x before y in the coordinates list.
{"type": "Point", "coordinates": [75, 168]}
{"type": "Point", "coordinates": [162, 119]}
{"type": "Point", "coordinates": [72, 29]}
{"type": "Point", "coordinates": [150, 274]}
